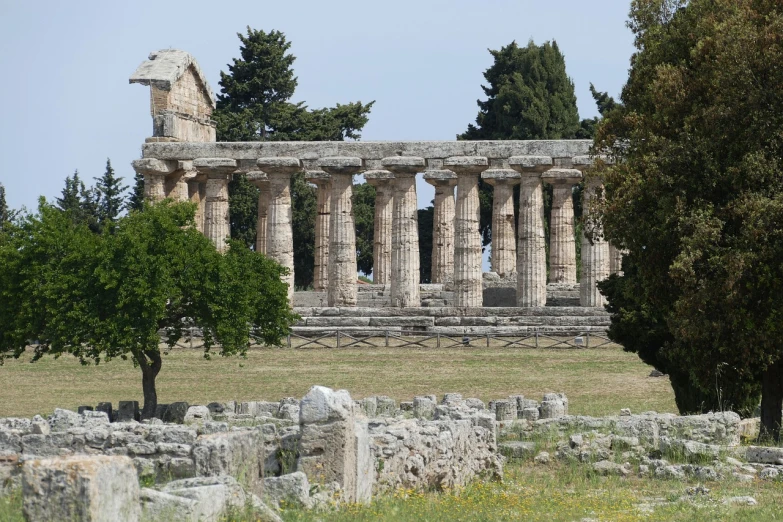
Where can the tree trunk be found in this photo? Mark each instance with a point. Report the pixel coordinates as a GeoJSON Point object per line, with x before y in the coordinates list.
{"type": "Point", "coordinates": [771, 401]}
{"type": "Point", "coordinates": [150, 363]}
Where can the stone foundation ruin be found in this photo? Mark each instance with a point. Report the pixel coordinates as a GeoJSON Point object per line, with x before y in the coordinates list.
{"type": "Point", "coordinates": [328, 448]}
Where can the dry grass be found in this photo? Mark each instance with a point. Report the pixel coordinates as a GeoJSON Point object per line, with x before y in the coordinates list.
{"type": "Point", "coordinates": [597, 381]}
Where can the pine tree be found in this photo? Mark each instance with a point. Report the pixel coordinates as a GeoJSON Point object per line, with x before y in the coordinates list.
{"type": "Point", "coordinates": [109, 190]}
{"type": "Point", "coordinates": [136, 197]}
{"type": "Point", "coordinates": [253, 105]}
{"type": "Point", "coordinates": [80, 202]}
{"type": "Point", "coordinates": [529, 97]}
{"type": "Point", "coordinates": [5, 213]}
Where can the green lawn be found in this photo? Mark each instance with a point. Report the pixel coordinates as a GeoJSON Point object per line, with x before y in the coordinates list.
{"type": "Point", "coordinates": [597, 381]}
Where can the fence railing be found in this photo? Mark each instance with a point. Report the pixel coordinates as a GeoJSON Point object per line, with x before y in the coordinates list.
{"type": "Point", "coordinates": [333, 339]}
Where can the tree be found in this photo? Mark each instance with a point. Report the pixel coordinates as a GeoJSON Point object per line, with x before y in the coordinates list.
{"type": "Point", "coordinates": [254, 105]}
{"type": "Point", "coordinates": [6, 215]}
{"type": "Point", "coordinates": [529, 97]}
{"type": "Point", "coordinates": [103, 296]}
{"type": "Point", "coordinates": [136, 196]}
{"type": "Point", "coordinates": [364, 217]}
{"type": "Point", "coordinates": [696, 198]}
{"type": "Point", "coordinates": [109, 190]}
{"type": "Point", "coordinates": [79, 202]}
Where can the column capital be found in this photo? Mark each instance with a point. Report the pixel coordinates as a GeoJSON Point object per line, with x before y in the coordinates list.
{"type": "Point", "coordinates": [337, 165]}
{"type": "Point", "coordinates": [378, 177]}
{"type": "Point", "coordinates": [501, 177]}
{"type": "Point", "coordinates": [257, 178]}
{"type": "Point", "coordinates": [152, 167]}
{"type": "Point", "coordinates": [215, 168]}
{"type": "Point", "coordinates": [583, 163]}
{"type": "Point", "coordinates": [440, 178]}
{"type": "Point", "coordinates": [404, 165]}
{"type": "Point", "coordinates": [466, 165]}
{"type": "Point", "coordinates": [530, 164]}
{"type": "Point", "coordinates": [318, 177]}
{"type": "Point", "coordinates": [285, 166]}
{"type": "Point", "coordinates": [562, 176]}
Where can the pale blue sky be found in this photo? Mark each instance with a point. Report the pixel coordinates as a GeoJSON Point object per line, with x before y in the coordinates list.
{"type": "Point", "coordinates": [68, 104]}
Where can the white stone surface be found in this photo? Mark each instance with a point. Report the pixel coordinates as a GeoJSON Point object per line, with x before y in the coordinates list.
{"type": "Point", "coordinates": [96, 488]}
{"type": "Point", "coordinates": [444, 182]}
{"type": "Point", "coordinates": [405, 241]}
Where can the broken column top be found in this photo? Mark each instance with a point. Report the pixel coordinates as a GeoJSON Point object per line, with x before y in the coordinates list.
{"type": "Point", "coordinates": [322, 404]}
{"type": "Point", "coordinates": [163, 68]}
{"type": "Point", "coordinates": [153, 166]}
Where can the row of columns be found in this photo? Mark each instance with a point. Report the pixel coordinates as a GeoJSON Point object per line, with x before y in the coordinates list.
{"type": "Point", "coordinates": [456, 255]}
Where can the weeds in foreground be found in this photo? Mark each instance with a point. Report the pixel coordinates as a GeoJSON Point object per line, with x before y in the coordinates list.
{"type": "Point", "coordinates": [11, 506]}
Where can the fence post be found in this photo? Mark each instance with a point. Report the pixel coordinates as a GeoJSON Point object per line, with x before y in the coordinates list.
{"type": "Point", "coordinates": [536, 339]}
{"type": "Point", "coordinates": [438, 336]}
{"type": "Point", "coordinates": [338, 338]}
{"type": "Point", "coordinates": [487, 340]}
{"type": "Point", "coordinates": [587, 340]}
{"type": "Point", "coordinates": [387, 338]}
{"type": "Point", "coordinates": [289, 340]}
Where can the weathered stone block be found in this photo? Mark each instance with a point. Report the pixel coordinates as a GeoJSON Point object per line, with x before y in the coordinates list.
{"type": "Point", "coordinates": [128, 411]}
{"type": "Point", "coordinates": [197, 414]}
{"type": "Point", "coordinates": [423, 407]}
{"type": "Point", "coordinates": [176, 412]}
{"type": "Point", "coordinates": [238, 454]}
{"type": "Point", "coordinates": [293, 489]}
{"type": "Point", "coordinates": [98, 488]}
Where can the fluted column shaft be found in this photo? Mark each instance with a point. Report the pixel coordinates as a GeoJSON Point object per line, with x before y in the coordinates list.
{"type": "Point", "coordinates": [615, 260]}
{"type": "Point", "coordinates": [154, 172]}
{"type": "Point", "coordinates": [261, 182]}
{"type": "Point", "coordinates": [322, 219]}
{"type": "Point", "coordinates": [405, 243]}
{"type": "Point", "coordinates": [195, 193]}
{"type": "Point", "coordinates": [442, 225]}
{"type": "Point", "coordinates": [504, 241]}
{"type": "Point", "coordinates": [383, 181]}
{"type": "Point", "coordinates": [216, 220]}
{"type": "Point", "coordinates": [468, 288]}
{"type": "Point", "coordinates": [279, 230]}
{"type": "Point", "coordinates": [562, 245]}
{"type": "Point", "coordinates": [531, 255]}
{"type": "Point", "coordinates": [595, 254]}
{"type": "Point", "coordinates": [279, 233]}
{"type": "Point", "coordinates": [342, 231]}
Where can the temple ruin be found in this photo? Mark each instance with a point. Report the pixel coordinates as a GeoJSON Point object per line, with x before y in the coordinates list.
{"type": "Point", "coordinates": [182, 161]}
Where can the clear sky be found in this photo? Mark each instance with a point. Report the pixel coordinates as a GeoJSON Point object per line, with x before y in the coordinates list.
{"type": "Point", "coordinates": [65, 66]}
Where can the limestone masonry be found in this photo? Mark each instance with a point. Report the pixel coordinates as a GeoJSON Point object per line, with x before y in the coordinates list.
{"type": "Point", "coordinates": [199, 462]}
{"type": "Point", "coordinates": [181, 160]}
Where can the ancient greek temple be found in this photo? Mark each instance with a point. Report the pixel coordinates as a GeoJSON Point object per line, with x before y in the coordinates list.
{"type": "Point", "coordinates": [182, 161]}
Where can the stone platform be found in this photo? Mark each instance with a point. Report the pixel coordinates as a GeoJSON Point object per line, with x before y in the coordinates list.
{"type": "Point", "coordinates": [452, 321]}
{"type": "Point", "coordinates": [501, 293]}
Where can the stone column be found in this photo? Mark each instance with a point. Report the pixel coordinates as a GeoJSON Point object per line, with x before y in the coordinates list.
{"type": "Point", "coordinates": [504, 242]}
{"type": "Point", "coordinates": [562, 246]}
{"type": "Point", "coordinates": [468, 289]}
{"type": "Point", "coordinates": [531, 247]}
{"type": "Point", "coordinates": [342, 230]}
{"type": "Point", "coordinates": [405, 292]}
{"type": "Point", "coordinates": [261, 181]}
{"type": "Point", "coordinates": [444, 182]}
{"type": "Point", "coordinates": [279, 233]}
{"type": "Point", "coordinates": [154, 172]}
{"type": "Point", "coordinates": [195, 195]}
{"type": "Point", "coordinates": [218, 172]}
{"type": "Point", "coordinates": [323, 182]}
{"type": "Point", "coordinates": [615, 260]}
{"type": "Point", "coordinates": [595, 253]}
{"type": "Point", "coordinates": [383, 181]}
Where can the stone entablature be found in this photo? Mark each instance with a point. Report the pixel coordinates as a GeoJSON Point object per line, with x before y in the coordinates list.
{"type": "Point", "coordinates": [563, 153]}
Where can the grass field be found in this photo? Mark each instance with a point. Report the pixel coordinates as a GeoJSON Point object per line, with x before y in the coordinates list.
{"type": "Point", "coordinates": [597, 381]}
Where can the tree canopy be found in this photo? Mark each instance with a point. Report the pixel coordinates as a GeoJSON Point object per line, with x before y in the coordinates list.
{"type": "Point", "coordinates": [696, 198]}
{"type": "Point", "coordinates": [103, 296]}
{"type": "Point", "coordinates": [110, 196]}
{"type": "Point", "coordinates": [254, 105]}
